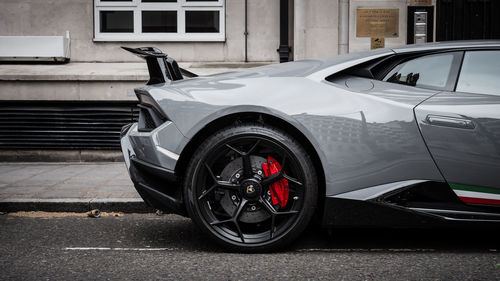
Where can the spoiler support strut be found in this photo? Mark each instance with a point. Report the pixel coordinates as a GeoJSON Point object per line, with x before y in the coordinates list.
{"type": "Point", "coordinates": [161, 67]}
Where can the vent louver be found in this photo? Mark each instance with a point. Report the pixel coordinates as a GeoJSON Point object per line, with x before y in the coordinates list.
{"type": "Point", "coordinates": [64, 125]}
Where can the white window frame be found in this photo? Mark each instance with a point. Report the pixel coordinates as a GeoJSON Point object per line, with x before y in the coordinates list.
{"type": "Point", "coordinates": [181, 6]}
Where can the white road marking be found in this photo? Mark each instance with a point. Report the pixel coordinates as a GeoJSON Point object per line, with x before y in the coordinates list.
{"type": "Point", "coordinates": [115, 249]}
{"type": "Point", "coordinates": [364, 250]}
{"type": "Point", "coordinates": [324, 250]}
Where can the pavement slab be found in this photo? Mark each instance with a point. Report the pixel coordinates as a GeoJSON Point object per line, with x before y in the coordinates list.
{"type": "Point", "coordinates": [68, 187]}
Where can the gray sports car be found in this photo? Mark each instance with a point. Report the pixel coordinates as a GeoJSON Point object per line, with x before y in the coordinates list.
{"type": "Point", "coordinates": [395, 137]}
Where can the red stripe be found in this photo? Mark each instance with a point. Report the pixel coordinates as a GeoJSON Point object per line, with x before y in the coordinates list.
{"type": "Point", "coordinates": [480, 201]}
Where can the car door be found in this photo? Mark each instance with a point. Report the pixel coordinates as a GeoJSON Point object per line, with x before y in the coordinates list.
{"type": "Point", "coordinates": [462, 129]}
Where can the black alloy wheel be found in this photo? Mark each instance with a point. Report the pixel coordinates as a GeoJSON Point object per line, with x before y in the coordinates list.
{"type": "Point", "coordinates": [251, 188]}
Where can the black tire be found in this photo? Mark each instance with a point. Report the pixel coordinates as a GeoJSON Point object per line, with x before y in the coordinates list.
{"type": "Point", "coordinates": [243, 228]}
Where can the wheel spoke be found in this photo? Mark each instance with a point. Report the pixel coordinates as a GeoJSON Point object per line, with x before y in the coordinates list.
{"type": "Point", "coordinates": [267, 206]}
{"type": "Point", "coordinates": [227, 185]}
{"type": "Point", "coordinates": [247, 165]}
{"type": "Point", "coordinates": [273, 211]}
{"type": "Point", "coordinates": [234, 218]}
{"type": "Point", "coordinates": [220, 184]}
{"type": "Point", "coordinates": [283, 162]}
{"type": "Point", "coordinates": [221, 222]}
{"type": "Point", "coordinates": [240, 233]}
{"type": "Point", "coordinates": [235, 150]}
{"type": "Point", "coordinates": [245, 158]}
{"type": "Point", "coordinates": [273, 220]}
{"type": "Point", "coordinates": [236, 214]}
{"type": "Point", "coordinates": [217, 183]}
{"type": "Point", "coordinates": [273, 214]}
{"type": "Point", "coordinates": [287, 213]}
{"type": "Point", "coordinates": [238, 210]}
{"type": "Point", "coordinates": [294, 180]}
{"type": "Point", "coordinates": [272, 179]}
{"type": "Point", "coordinates": [247, 162]}
{"type": "Point", "coordinates": [253, 147]}
{"type": "Point", "coordinates": [210, 172]}
{"type": "Point", "coordinates": [207, 191]}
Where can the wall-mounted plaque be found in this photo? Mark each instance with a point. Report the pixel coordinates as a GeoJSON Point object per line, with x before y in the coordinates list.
{"type": "Point", "coordinates": [377, 42]}
{"type": "Point", "coordinates": [377, 22]}
{"type": "Point", "coordinates": [421, 3]}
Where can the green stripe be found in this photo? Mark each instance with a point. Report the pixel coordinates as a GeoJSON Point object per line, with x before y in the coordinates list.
{"type": "Point", "coordinates": [474, 188]}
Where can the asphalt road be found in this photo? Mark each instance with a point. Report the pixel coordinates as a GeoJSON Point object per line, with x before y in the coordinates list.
{"type": "Point", "coordinates": [38, 246]}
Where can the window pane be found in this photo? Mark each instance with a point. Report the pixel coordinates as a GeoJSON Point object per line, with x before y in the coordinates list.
{"type": "Point", "coordinates": [431, 71]}
{"type": "Point", "coordinates": [159, 21]}
{"type": "Point", "coordinates": [202, 21]}
{"type": "Point", "coordinates": [480, 73]}
{"type": "Point", "coordinates": [117, 21]}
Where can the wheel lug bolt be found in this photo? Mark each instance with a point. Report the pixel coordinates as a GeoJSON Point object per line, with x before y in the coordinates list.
{"type": "Point", "coordinates": [259, 172]}
{"type": "Point", "coordinates": [296, 198]}
{"type": "Point", "coordinates": [269, 192]}
{"type": "Point", "coordinates": [237, 176]}
{"type": "Point", "coordinates": [253, 208]}
{"type": "Point", "coordinates": [233, 197]}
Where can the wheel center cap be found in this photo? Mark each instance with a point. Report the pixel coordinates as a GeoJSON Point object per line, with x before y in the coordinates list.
{"type": "Point", "coordinates": [250, 189]}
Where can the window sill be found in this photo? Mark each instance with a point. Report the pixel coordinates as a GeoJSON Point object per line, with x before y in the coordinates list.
{"type": "Point", "coordinates": [107, 71]}
{"type": "Point", "coordinates": [198, 38]}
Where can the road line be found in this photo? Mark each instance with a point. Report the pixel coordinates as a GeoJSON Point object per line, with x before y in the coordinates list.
{"type": "Point", "coordinates": [115, 249]}
{"type": "Point", "coordinates": [363, 250]}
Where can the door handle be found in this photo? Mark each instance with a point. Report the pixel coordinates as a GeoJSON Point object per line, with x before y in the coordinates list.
{"type": "Point", "coordinates": [448, 121]}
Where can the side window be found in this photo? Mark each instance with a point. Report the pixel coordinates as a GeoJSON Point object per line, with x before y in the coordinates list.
{"type": "Point", "coordinates": [480, 73]}
{"type": "Point", "coordinates": [431, 71]}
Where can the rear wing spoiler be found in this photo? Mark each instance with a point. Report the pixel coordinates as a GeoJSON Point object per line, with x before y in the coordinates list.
{"type": "Point", "coordinates": [160, 66]}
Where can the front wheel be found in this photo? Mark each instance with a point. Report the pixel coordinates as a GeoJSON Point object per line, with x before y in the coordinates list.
{"type": "Point", "coordinates": [251, 188]}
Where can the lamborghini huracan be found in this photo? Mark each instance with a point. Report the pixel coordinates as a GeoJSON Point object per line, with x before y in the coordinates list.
{"type": "Point", "coordinates": [398, 137]}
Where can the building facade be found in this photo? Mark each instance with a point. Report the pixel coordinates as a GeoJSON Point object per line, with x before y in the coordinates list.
{"type": "Point", "coordinates": [204, 36]}
{"type": "Point", "coordinates": [221, 30]}
{"type": "Point", "coordinates": [200, 31]}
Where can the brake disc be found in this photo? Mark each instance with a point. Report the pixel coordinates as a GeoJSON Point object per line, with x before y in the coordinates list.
{"type": "Point", "coordinates": [253, 212]}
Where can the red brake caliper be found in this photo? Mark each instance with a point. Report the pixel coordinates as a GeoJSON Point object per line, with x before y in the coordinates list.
{"type": "Point", "coordinates": [279, 189]}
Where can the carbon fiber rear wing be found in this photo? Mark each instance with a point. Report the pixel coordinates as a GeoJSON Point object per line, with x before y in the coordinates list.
{"type": "Point", "coordinates": [160, 66]}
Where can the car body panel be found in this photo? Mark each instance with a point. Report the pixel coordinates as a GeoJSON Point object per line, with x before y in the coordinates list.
{"type": "Point", "coordinates": [376, 142]}
{"type": "Point", "coordinates": [363, 138]}
{"type": "Point", "coordinates": [367, 133]}
{"type": "Point", "coordinates": [159, 147]}
{"type": "Point", "coordinates": [466, 153]}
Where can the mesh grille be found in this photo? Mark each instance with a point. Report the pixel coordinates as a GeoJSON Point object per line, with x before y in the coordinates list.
{"type": "Point", "coordinates": [149, 123]}
{"type": "Point", "coordinates": [64, 125]}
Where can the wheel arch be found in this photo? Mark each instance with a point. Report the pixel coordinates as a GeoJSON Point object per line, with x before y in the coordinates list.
{"type": "Point", "coordinates": [261, 118]}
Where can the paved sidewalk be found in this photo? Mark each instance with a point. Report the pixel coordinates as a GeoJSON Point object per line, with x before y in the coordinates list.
{"type": "Point", "coordinates": [71, 187]}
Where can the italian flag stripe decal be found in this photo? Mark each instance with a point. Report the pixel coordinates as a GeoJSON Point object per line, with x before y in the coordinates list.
{"type": "Point", "coordinates": [480, 201]}
{"type": "Point", "coordinates": [477, 194]}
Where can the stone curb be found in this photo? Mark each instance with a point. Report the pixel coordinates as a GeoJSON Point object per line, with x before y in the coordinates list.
{"type": "Point", "coordinates": [124, 205]}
